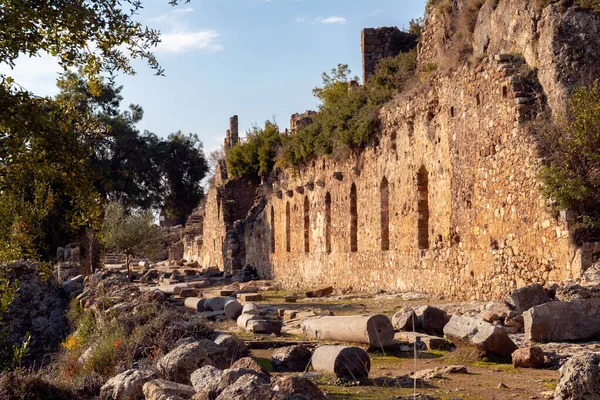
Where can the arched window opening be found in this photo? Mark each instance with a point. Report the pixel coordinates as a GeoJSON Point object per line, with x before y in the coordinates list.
{"type": "Point", "coordinates": [272, 229]}
{"type": "Point", "coordinates": [423, 208]}
{"type": "Point", "coordinates": [353, 219]}
{"type": "Point", "coordinates": [385, 214]}
{"type": "Point", "coordinates": [328, 223]}
{"type": "Point", "coordinates": [306, 225]}
{"type": "Point", "coordinates": [288, 246]}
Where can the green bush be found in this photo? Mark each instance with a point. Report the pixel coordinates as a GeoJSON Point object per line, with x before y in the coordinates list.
{"type": "Point", "coordinates": [348, 118]}
{"type": "Point", "coordinates": [571, 173]}
{"type": "Point", "coordinates": [256, 154]}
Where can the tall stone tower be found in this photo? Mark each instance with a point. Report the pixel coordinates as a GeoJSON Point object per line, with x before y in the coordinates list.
{"type": "Point", "coordinates": [377, 43]}
{"type": "Point", "coordinates": [233, 136]}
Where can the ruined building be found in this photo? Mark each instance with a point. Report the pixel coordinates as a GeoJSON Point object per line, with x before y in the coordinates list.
{"type": "Point", "coordinates": [448, 200]}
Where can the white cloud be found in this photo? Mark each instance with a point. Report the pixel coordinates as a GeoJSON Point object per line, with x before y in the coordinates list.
{"type": "Point", "coordinates": [332, 20]}
{"type": "Point", "coordinates": [180, 42]}
{"type": "Point", "coordinates": [37, 74]}
{"type": "Point", "coordinates": [300, 19]}
{"type": "Point", "coordinates": [179, 36]}
{"type": "Point", "coordinates": [374, 13]}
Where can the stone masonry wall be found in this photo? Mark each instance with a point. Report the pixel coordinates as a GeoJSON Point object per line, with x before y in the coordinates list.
{"type": "Point", "coordinates": [488, 228]}
{"type": "Point", "coordinates": [448, 201]}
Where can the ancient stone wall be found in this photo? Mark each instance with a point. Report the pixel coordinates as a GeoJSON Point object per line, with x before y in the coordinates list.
{"type": "Point", "coordinates": [383, 42]}
{"type": "Point", "coordinates": [446, 203]}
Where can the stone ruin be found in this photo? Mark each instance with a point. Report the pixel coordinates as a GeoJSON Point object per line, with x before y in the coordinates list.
{"type": "Point", "coordinates": [447, 202]}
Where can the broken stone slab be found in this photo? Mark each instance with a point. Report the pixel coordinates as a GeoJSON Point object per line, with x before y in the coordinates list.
{"type": "Point", "coordinates": [290, 299]}
{"type": "Point", "coordinates": [194, 303]}
{"type": "Point", "coordinates": [375, 330]}
{"type": "Point", "coordinates": [250, 308]}
{"type": "Point", "coordinates": [429, 341]}
{"type": "Point", "coordinates": [216, 353]}
{"type": "Point", "coordinates": [249, 297]}
{"type": "Point", "coordinates": [431, 320]}
{"type": "Point", "coordinates": [427, 374]}
{"type": "Point", "coordinates": [265, 326]}
{"type": "Point", "coordinates": [226, 292]}
{"type": "Point", "coordinates": [160, 389]}
{"type": "Point", "coordinates": [524, 298]}
{"type": "Point", "coordinates": [233, 309]}
{"type": "Point", "coordinates": [216, 303]}
{"type": "Point", "coordinates": [528, 357]}
{"type": "Point", "coordinates": [485, 336]}
{"type": "Point", "coordinates": [346, 362]}
{"type": "Point", "coordinates": [215, 315]}
{"type": "Point", "coordinates": [561, 320]}
{"type": "Point", "coordinates": [74, 285]}
{"type": "Point", "coordinates": [322, 292]}
{"type": "Point", "coordinates": [404, 320]}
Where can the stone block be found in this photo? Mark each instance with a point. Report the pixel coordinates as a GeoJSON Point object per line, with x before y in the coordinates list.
{"type": "Point", "coordinates": [483, 335]}
{"type": "Point", "coordinates": [430, 342]}
{"type": "Point", "coordinates": [322, 292]}
{"type": "Point", "coordinates": [528, 357]}
{"type": "Point", "coordinates": [526, 297]}
{"type": "Point", "coordinates": [561, 320]}
{"type": "Point", "coordinates": [249, 297]}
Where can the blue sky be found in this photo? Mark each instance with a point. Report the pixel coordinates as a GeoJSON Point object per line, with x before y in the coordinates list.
{"type": "Point", "coordinates": [255, 58]}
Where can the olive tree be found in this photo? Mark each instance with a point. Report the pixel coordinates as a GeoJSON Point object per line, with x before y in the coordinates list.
{"type": "Point", "coordinates": [132, 233]}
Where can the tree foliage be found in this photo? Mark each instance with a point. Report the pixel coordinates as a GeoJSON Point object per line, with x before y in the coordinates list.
{"type": "Point", "coordinates": [571, 173]}
{"type": "Point", "coordinates": [257, 153]}
{"type": "Point", "coordinates": [348, 118]}
{"type": "Point", "coordinates": [137, 169]}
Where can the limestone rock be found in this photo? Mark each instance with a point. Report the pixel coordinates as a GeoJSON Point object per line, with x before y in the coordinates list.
{"type": "Point", "coordinates": [236, 348]}
{"type": "Point", "coordinates": [560, 320]}
{"type": "Point", "coordinates": [291, 358]}
{"type": "Point", "coordinates": [160, 389]}
{"type": "Point", "coordinates": [205, 376]}
{"type": "Point", "coordinates": [404, 320]}
{"type": "Point", "coordinates": [178, 364]}
{"type": "Point", "coordinates": [216, 303]}
{"type": "Point", "coordinates": [571, 291]}
{"type": "Point", "coordinates": [579, 378]}
{"type": "Point", "coordinates": [285, 387]}
{"type": "Point", "coordinates": [485, 336]}
{"type": "Point", "coordinates": [231, 375]}
{"type": "Point", "coordinates": [246, 387]}
{"type": "Point", "coordinates": [524, 298]}
{"type": "Point", "coordinates": [374, 330]}
{"type": "Point", "coordinates": [431, 320]}
{"type": "Point", "coordinates": [217, 354]}
{"type": "Point", "coordinates": [528, 357]}
{"type": "Point", "coordinates": [126, 386]}
{"type": "Point", "coordinates": [265, 326]}
{"type": "Point", "coordinates": [428, 341]}
{"type": "Point", "coordinates": [249, 363]}
{"type": "Point", "coordinates": [73, 286]}
{"type": "Point", "coordinates": [322, 292]}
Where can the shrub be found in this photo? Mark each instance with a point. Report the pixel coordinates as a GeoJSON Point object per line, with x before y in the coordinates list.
{"type": "Point", "coordinates": [571, 172]}
{"type": "Point", "coordinates": [348, 118]}
{"type": "Point", "coordinates": [256, 154]}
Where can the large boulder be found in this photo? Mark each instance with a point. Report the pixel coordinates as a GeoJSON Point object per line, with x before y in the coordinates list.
{"type": "Point", "coordinates": [291, 358]}
{"type": "Point", "coordinates": [483, 335]}
{"type": "Point", "coordinates": [560, 320]}
{"type": "Point", "coordinates": [236, 348]}
{"type": "Point", "coordinates": [160, 389]}
{"type": "Point", "coordinates": [572, 291]}
{"type": "Point", "coordinates": [126, 386]}
{"type": "Point", "coordinates": [178, 364]}
{"type": "Point", "coordinates": [216, 353]}
{"type": "Point", "coordinates": [431, 320]}
{"type": "Point", "coordinates": [205, 376]}
{"type": "Point", "coordinates": [524, 298]}
{"type": "Point", "coordinates": [580, 378]}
